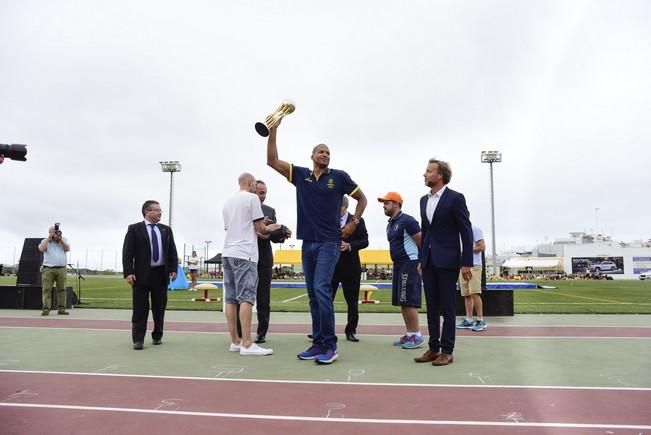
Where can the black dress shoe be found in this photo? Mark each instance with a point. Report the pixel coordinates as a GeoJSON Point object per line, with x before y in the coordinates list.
{"type": "Point", "coordinates": [351, 337]}
{"type": "Point", "coordinates": [260, 339]}
{"type": "Point", "coordinates": [157, 342]}
{"type": "Point", "coordinates": [138, 345]}
{"type": "Point", "coordinates": [310, 336]}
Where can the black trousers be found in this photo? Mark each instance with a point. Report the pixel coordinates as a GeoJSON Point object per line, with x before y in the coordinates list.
{"type": "Point", "coordinates": [140, 295]}
{"type": "Point", "coordinates": [350, 284]}
{"type": "Point", "coordinates": [441, 297]}
{"type": "Point", "coordinates": [263, 299]}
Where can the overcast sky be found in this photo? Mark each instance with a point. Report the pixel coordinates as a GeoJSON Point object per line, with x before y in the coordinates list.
{"type": "Point", "coordinates": [101, 91]}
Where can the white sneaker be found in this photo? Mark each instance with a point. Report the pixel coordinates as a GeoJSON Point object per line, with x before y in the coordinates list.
{"type": "Point", "coordinates": [235, 347]}
{"type": "Point", "coordinates": [255, 350]}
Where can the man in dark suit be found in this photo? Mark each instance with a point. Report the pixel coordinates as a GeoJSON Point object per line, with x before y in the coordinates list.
{"type": "Point", "coordinates": [265, 266]}
{"type": "Point", "coordinates": [348, 270]}
{"type": "Point", "coordinates": [446, 247]}
{"type": "Point", "coordinates": [149, 260]}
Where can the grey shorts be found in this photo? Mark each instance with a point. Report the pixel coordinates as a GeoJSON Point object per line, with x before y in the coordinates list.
{"type": "Point", "coordinates": [240, 280]}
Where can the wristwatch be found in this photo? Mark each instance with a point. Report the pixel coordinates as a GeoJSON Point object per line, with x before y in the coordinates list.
{"type": "Point", "coordinates": [356, 220]}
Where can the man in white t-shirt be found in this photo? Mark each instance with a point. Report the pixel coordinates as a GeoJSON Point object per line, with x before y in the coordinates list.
{"type": "Point", "coordinates": [471, 290]}
{"type": "Point", "coordinates": [243, 219]}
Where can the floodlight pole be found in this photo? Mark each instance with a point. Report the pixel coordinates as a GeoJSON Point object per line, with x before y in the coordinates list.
{"type": "Point", "coordinates": [171, 167]}
{"type": "Point", "coordinates": [208, 242]}
{"type": "Point", "coordinates": [491, 157]}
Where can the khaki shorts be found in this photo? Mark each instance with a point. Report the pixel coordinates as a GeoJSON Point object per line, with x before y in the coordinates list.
{"type": "Point", "coordinates": [474, 285]}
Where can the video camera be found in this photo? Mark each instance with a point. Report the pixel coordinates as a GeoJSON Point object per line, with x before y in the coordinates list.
{"type": "Point", "coordinates": [14, 151]}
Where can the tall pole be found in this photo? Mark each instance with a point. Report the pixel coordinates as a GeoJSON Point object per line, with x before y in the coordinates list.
{"type": "Point", "coordinates": [493, 221]}
{"type": "Point", "coordinates": [169, 223]}
{"type": "Point", "coordinates": [491, 157]}
{"type": "Point", "coordinates": [208, 242]}
{"type": "Point", "coordinates": [171, 167]}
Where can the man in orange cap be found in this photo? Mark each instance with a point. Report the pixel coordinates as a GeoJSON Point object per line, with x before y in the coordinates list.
{"type": "Point", "coordinates": [403, 233]}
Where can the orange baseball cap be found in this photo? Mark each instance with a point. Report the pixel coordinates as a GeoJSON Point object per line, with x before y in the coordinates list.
{"type": "Point", "coordinates": [391, 196]}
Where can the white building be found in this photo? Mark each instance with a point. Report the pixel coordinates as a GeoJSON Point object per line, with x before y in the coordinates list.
{"type": "Point", "coordinates": [582, 252]}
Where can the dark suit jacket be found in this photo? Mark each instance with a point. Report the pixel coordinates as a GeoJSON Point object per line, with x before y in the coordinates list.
{"type": "Point", "coordinates": [349, 260]}
{"type": "Point", "coordinates": [440, 238]}
{"type": "Point", "coordinates": [136, 252]}
{"type": "Point", "coordinates": [265, 253]}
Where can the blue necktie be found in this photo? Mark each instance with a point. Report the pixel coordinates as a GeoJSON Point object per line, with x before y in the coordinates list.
{"type": "Point", "coordinates": [154, 244]}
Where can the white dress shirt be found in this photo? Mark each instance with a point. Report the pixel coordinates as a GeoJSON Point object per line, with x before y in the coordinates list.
{"type": "Point", "coordinates": [160, 261]}
{"type": "Point", "coordinates": [432, 202]}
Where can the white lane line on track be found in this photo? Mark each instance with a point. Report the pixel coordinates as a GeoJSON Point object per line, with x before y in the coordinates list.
{"type": "Point", "coordinates": [294, 298]}
{"type": "Point", "coordinates": [492, 325]}
{"type": "Point", "coordinates": [330, 419]}
{"type": "Point", "coordinates": [290, 381]}
{"type": "Point", "coordinates": [474, 335]}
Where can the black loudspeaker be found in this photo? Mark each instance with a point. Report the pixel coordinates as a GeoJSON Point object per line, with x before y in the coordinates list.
{"type": "Point", "coordinates": [29, 267]}
{"type": "Point", "coordinates": [30, 297]}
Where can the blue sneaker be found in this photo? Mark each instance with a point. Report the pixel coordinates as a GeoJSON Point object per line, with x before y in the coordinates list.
{"type": "Point", "coordinates": [402, 340]}
{"type": "Point", "coordinates": [327, 358]}
{"type": "Point", "coordinates": [414, 342]}
{"type": "Point", "coordinates": [311, 353]}
{"type": "Point", "coordinates": [479, 325]}
{"type": "Point", "coordinates": [465, 324]}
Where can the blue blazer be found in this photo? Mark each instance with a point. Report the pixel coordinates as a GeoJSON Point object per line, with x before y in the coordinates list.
{"type": "Point", "coordinates": [449, 231]}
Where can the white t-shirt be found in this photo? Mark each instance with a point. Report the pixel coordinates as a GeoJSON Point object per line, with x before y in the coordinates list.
{"type": "Point", "coordinates": [240, 211]}
{"type": "Point", "coordinates": [194, 263]}
{"type": "Point", "coordinates": [477, 235]}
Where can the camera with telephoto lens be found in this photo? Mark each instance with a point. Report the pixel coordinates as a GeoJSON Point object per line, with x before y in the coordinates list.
{"type": "Point", "coordinates": [57, 231]}
{"type": "Point", "coordinates": [14, 151]}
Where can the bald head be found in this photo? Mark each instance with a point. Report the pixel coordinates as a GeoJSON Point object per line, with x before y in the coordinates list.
{"type": "Point", "coordinates": [246, 182]}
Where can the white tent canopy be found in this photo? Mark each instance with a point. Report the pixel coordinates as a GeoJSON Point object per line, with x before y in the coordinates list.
{"type": "Point", "coordinates": [534, 263]}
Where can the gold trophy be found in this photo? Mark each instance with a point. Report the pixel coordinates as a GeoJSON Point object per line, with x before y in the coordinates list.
{"type": "Point", "coordinates": [285, 108]}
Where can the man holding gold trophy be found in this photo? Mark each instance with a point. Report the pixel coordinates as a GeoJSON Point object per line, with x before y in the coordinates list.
{"type": "Point", "coordinates": [319, 193]}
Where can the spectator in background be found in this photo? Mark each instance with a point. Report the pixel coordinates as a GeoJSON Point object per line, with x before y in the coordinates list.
{"type": "Point", "coordinates": [54, 249]}
{"type": "Point", "coordinates": [471, 289]}
{"type": "Point", "coordinates": [193, 265]}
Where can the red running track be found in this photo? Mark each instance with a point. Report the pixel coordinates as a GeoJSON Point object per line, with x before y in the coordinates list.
{"type": "Point", "coordinates": [36, 402]}
{"type": "Point", "coordinates": [492, 331]}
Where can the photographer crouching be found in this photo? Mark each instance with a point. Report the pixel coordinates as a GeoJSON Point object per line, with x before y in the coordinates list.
{"type": "Point", "coordinates": [54, 250]}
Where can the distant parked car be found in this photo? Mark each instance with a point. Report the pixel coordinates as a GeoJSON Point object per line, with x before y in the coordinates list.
{"type": "Point", "coordinates": [604, 266]}
{"type": "Point", "coordinates": [645, 275]}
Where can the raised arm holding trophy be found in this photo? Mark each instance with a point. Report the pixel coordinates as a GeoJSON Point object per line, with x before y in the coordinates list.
{"type": "Point", "coordinates": [285, 108]}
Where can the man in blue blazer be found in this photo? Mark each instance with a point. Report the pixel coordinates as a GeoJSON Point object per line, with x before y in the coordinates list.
{"type": "Point", "coordinates": [446, 247]}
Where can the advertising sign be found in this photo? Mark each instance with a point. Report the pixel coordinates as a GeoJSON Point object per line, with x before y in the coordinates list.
{"type": "Point", "coordinates": [641, 264]}
{"type": "Point", "coordinates": [604, 265]}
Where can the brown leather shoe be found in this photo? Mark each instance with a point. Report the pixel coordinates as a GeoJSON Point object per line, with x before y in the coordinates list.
{"type": "Point", "coordinates": [428, 356]}
{"type": "Point", "coordinates": [443, 359]}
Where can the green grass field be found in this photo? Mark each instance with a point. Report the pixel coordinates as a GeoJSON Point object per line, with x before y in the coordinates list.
{"type": "Point", "coordinates": [570, 297]}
